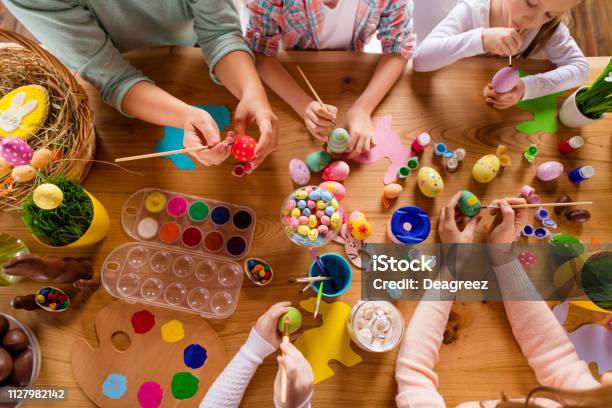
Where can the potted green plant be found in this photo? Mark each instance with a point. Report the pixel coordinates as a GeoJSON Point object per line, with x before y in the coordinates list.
{"type": "Point", "coordinates": [589, 103]}
{"type": "Point", "coordinates": [60, 213]}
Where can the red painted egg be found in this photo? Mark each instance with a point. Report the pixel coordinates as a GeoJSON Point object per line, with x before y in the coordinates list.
{"type": "Point", "coordinates": [243, 148]}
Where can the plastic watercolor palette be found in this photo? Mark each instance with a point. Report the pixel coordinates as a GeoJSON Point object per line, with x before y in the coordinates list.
{"type": "Point", "coordinates": [189, 222]}
{"type": "Point", "coordinates": [173, 278]}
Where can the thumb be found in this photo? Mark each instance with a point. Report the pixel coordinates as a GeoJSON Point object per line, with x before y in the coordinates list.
{"type": "Point", "coordinates": [507, 215]}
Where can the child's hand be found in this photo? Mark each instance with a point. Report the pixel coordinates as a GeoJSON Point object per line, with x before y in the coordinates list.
{"type": "Point", "coordinates": [508, 221]}
{"type": "Point", "coordinates": [501, 40]}
{"type": "Point", "coordinates": [319, 120]}
{"type": "Point", "coordinates": [267, 324]}
{"type": "Point", "coordinates": [450, 221]}
{"type": "Point", "coordinates": [359, 126]}
{"type": "Point", "coordinates": [505, 100]}
{"type": "Point", "coordinates": [200, 130]}
{"type": "Point", "coordinates": [299, 377]}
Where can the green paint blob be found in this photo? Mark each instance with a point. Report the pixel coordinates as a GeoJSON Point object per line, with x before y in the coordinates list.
{"type": "Point", "coordinates": [198, 211]}
{"type": "Point", "coordinates": [184, 385]}
{"type": "Point", "coordinates": [544, 111]}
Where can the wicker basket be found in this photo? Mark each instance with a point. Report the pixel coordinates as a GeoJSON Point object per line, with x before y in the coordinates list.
{"type": "Point", "coordinates": [69, 128]}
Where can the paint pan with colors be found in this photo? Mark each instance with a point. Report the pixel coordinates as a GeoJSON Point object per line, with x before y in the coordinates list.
{"type": "Point", "coordinates": [147, 228]}
{"type": "Point", "coordinates": [242, 219]}
{"type": "Point", "coordinates": [192, 236]}
{"type": "Point", "coordinates": [236, 246]}
{"type": "Point", "coordinates": [155, 202]}
{"type": "Point", "coordinates": [198, 211]}
{"type": "Point", "coordinates": [177, 206]}
{"type": "Point", "coordinates": [169, 232]}
{"type": "Point", "coordinates": [220, 215]}
{"type": "Point", "coordinates": [150, 395]}
{"type": "Point", "coordinates": [213, 241]}
{"type": "Point", "coordinates": [115, 386]}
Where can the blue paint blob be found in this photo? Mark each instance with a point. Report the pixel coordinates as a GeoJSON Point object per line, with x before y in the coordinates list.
{"type": "Point", "coordinates": [220, 215]}
{"type": "Point", "coordinates": [173, 137]}
{"type": "Point", "coordinates": [194, 356]}
{"type": "Point", "coordinates": [114, 386]}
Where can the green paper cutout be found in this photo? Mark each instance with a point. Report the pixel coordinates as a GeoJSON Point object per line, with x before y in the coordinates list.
{"type": "Point", "coordinates": [544, 111]}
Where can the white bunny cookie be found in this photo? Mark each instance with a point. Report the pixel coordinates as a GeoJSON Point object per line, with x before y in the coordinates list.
{"type": "Point", "coordinates": [23, 111]}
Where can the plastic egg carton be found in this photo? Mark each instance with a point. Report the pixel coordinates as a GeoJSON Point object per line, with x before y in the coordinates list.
{"type": "Point", "coordinates": [173, 278]}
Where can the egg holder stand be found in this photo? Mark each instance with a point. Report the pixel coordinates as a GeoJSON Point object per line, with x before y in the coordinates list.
{"type": "Point", "coordinates": [172, 276]}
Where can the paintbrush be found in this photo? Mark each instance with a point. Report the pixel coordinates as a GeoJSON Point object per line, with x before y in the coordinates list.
{"type": "Point", "coordinates": [314, 92]}
{"type": "Point", "coordinates": [283, 369]}
{"type": "Point", "coordinates": [544, 205]}
{"type": "Point", "coordinates": [160, 154]}
{"type": "Point", "coordinates": [323, 269]}
{"type": "Point", "coordinates": [510, 25]}
{"type": "Point", "coordinates": [309, 279]}
{"type": "Point", "coordinates": [319, 293]}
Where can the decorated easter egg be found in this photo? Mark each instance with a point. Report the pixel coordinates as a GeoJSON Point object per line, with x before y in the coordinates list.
{"type": "Point", "coordinates": [356, 215]}
{"type": "Point", "coordinates": [505, 79]}
{"type": "Point", "coordinates": [23, 111]}
{"type": "Point", "coordinates": [334, 187]}
{"type": "Point", "coordinates": [15, 151]}
{"type": "Point", "coordinates": [5, 166]}
{"type": "Point", "coordinates": [47, 196]}
{"type": "Point", "coordinates": [338, 141]}
{"type": "Point", "coordinates": [566, 246]}
{"type": "Point", "coordinates": [429, 182]}
{"type": "Point", "coordinates": [335, 221]}
{"type": "Point", "coordinates": [549, 170]}
{"type": "Point", "coordinates": [360, 228]}
{"type": "Point", "coordinates": [469, 204]}
{"type": "Point", "coordinates": [41, 158]}
{"type": "Point", "coordinates": [23, 173]}
{"type": "Point", "coordinates": [316, 161]}
{"type": "Point", "coordinates": [243, 148]}
{"type": "Point", "coordinates": [298, 171]}
{"type": "Point", "coordinates": [294, 320]}
{"type": "Point", "coordinates": [486, 168]}
{"type": "Point", "coordinates": [336, 171]}
{"type": "Point", "coordinates": [392, 190]}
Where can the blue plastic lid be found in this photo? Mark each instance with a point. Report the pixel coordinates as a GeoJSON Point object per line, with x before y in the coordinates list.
{"type": "Point", "coordinates": [410, 224]}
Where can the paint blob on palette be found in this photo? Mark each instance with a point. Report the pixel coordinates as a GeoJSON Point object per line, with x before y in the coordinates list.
{"type": "Point", "coordinates": [189, 222]}
{"type": "Point", "coordinates": [172, 278]}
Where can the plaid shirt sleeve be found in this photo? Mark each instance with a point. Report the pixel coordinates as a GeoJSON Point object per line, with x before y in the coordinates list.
{"type": "Point", "coordinates": [264, 30]}
{"type": "Point", "coordinates": [395, 31]}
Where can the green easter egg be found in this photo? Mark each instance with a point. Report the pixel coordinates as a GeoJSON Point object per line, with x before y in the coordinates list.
{"type": "Point", "coordinates": [469, 204]}
{"type": "Point", "coordinates": [295, 320]}
{"type": "Point", "coordinates": [316, 161]}
{"type": "Point", "coordinates": [566, 246]}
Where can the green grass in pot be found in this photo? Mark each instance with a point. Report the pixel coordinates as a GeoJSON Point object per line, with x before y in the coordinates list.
{"type": "Point", "coordinates": [596, 100]}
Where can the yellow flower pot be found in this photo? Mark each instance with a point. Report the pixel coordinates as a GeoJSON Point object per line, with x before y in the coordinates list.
{"type": "Point", "coordinates": [96, 232]}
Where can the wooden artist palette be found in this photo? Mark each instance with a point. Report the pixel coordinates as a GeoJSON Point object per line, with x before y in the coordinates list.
{"type": "Point", "coordinates": [170, 360]}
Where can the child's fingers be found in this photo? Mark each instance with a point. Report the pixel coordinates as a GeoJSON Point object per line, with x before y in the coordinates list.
{"type": "Point", "coordinates": [325, 112]}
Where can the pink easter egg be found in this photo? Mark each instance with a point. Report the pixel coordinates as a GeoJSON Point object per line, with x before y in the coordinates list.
{"type": "Point", "coordinates": [505, 79]}
{"type": "Point", "coordinates": [336, 171]}
{"type": "Point", "coordinates": [355, 215]}
{"type": "Point", "coordinates": [323, 229]}
{"type": "Point", "coordinates": [311, 204]}
{"type": "Point", "coordinates": [298, 171]}
{"type": "Point", "coordinates": [290, 204]}
{"type": "Point", "coordinates": [334, 187]}
{"type": "Point", "coordinates": [294, 222]}
{"type": "Point", "coordinates": [15, 151]}
{"type": "Point", "coordinates": [325, 220]}
{"type": "Point", "coordinates": [549, 170]}
{"type": "Point", "coordinates": [303, 220]}
{"type": "Point", "coordinates": [320, 213]}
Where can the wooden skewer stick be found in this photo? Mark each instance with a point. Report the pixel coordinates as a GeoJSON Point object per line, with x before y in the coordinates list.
{"type": "Point", "coordinates": [160, 154]}
{"type": "Point", "coordinates": [309, 279]}
{"type": "Point", "coordinates": [283, 369]}
{"type": "Point", "coordinates": [545, 205]}
{"type": "Point", "coordinates": [316, 95]}
{"type": "Point", "coordinates": [510, 25]}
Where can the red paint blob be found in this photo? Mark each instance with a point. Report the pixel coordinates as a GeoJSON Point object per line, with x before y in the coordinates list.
{"type": "Point", "coordinates": [213, 241]}
{"type": "Point", "coordinates": [142, 321]}
{"type": "Point", "coordinates": [192, 236]}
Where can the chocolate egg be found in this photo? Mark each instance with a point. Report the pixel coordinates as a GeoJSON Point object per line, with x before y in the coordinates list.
{"type": "Point", "coordinates": [549, 170]}
{"type": "Point", "coordinates": [4, 326]}
{"type": "Point", "coordinates": [336, 171]}
{"type": "Point", "coordinates": [15, 151]}
{"type": "Point", "coordinates": [22, 369]}
{"type": "Point", "coordinates": [469, 204]}
{"type": "Point", "coordinates": [486, 168]}
{"type": "Point", "coordinates": [6, 364]}
{"type": "Point", "coordinates": [429, 181]}
{"type": "Point", "coordinates": [41, 158]}
{"type": "Point", "coordinates": [316, 161]}
{"type": "Point", "coordinates": [298, 171]}
{"type": "Point", "coordinates": [563, 199]}
{"type": "Point", "coordinates": [15, 341]}
{"type": "Point", "coordinates": [337, 189]}
{"type": "Point", "coordinates": [24, 173]}
{"type": "Point", "coordinates": [580, 215]}
{"type": "Point", "coordinates": [505, 80]}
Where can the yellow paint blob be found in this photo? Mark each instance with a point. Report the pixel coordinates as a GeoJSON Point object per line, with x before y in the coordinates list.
{"type": "Point", "coordinates": [173, 331]}
{"type": "Point", "coordinates": [155, 202]}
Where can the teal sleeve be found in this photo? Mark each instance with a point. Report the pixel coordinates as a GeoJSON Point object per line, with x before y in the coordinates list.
{"type": "Point", "coordinates": [217, 26]}
{"type": "Point", "coordinates": [71, 33]}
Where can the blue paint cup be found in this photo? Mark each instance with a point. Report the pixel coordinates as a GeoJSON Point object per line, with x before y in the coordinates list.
{"type": "Point", "coordinates": [339, 269]}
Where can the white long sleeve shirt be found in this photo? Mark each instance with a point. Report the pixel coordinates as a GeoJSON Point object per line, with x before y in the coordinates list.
{"type": "Point", "coordinates": [459, 35]}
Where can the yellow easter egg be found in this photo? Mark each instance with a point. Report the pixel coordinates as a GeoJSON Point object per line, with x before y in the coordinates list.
{"type": "Point", "coordinates": [335, 220]}
{"type": "Point", "coordinates": [360, 229]}
{"type": "Point", "coordinates": [296, 212]}
{"type": "Point", "coordinates": [303, 230]}
{"type": "Point", "coordinates": [23, 173]}
{"type": "Point", "coordinates": [321, 205]}
{"type": "Point", "coordinates": [41, 158]}
{"type": "Point", "coordinates": [313, 234]}
{"type": "Point", "coordinates": [23, 111]}
{"type": "Point", "coordinates": [334, 203]}
{"type": "Point", "coordinates": [312, 221]}
{"type": "Point", "coordinates": [47, 196]}
{"type": "Point", "coordinates": [301, 195]}
{"type": "Point", "coordinates": [486, 168]}
{"type": "Point", "coordinates": [429, 181]}
{"type": "Point", "coordinates": [5, 167]}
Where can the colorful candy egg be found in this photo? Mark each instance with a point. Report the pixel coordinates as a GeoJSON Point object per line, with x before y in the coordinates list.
{"type": "Point", "coordinates": [429, 181]}
{"type": "Point", "coordinates": [41, 158]}
{"type": "Point", "coordinates": [335, 220]}
{"type": "Point", "coordinates": [338, 141]}
{"type": "Point", "coordinates": [313, 234]}
{"type": "Point", "coordinates": [24, 173]}
{"type": "Point", "coordinates": [549, 170]}
{"type": "Point", "coordinates": [469, 204]}
{"type": "Point", "coordinates": [316, 161]}
{"type": "Point", "coordinates": [298, 171]}
{"type": "Point", "coordinates": [243, 148]}
{"type": "Point", "coordinates": [47, 196]}
{"type": "Point", "coordinates": [505, 79]}
{"type": "Point", "coordinates": [486, 168]}
{"type": "Point", "coordinates": [336, 171]}
{"type": "Point", "coordinates": [15, 151]}
{"type": "Point", "coordinates": [337, 189]}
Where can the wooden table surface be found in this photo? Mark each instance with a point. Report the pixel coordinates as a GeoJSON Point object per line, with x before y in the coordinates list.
{"type": "Point", "coordinates": [484, 360]}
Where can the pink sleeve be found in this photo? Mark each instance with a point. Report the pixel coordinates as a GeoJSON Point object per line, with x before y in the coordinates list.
{"type": "Point", "coordinates": [543, 341]}
{"type": "Point", "coordinates": [417, 381]}
{"type": "Point", "coordinates": [395, 31]}
{"type": "Point", "coordinates": [264, 31]}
